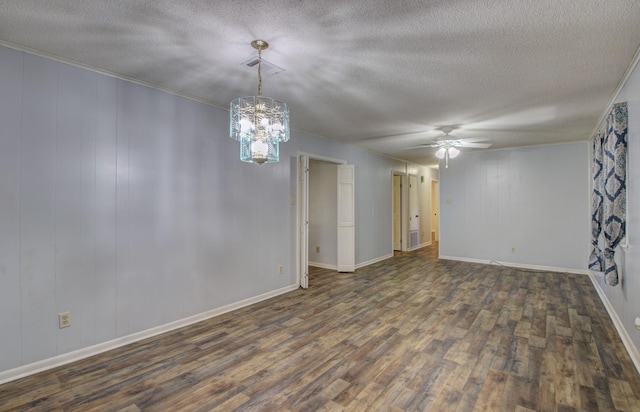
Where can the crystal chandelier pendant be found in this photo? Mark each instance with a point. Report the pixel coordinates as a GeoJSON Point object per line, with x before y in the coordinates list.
{"type": "Point", "coordinates": [259, 123]}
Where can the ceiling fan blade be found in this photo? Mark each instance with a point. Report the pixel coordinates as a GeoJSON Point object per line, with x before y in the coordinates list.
{"type": "Point", "coordinates": [474, 145]}
{"type": "Point", "coordinates": [396, 137]}
{"type": "Point", "coordinates": [473, 139]}
{"type": "Point", "coordinates": [422, 146]}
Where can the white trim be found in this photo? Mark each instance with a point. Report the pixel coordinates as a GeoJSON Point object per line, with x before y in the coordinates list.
{"type": "Point", "coordinates": [9, 45]}
{"type": "Point", "coordinates": [301, 184]}
{"type": "Point", "coordinates": [40, 366]}
{"type": "Point", "coordinates": [622, 332]}
{"type": "Point", "coordinates": [420, 246]}
{"type": "Point", "coordinates": [437, 237]}
{"type": "Point", "coordinates": [519, 265]}
{"type": "Point", "coordinates": [393, 228]}
{"type": "Point", "coordinates": [346, 218]}
{"type": "Point", "coordinates": [323, 266]}
{"type": "Point", "coordinates": [616, 93]}
{"type": "Point", "coordinates": [372, 261]}
{"type": "Point", "coordinates": [322, 158]}
{"type": "Point", "coordinates": [302, 211]}
{"type": "Point", "coordinates": [358, 266]}
{"type": "Point", "coordinates": [404, 209]}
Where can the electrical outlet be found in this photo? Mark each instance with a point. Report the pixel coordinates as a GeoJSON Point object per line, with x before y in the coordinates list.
{"type": "Point", "coordinates": [513, 249]}
{"type": "Point", "coordinates": [280, 269]}
{"type": "Point", "coordinates": [64, 320]}
{"type": "Point", "coordinates": [638, 323]}
{"type": "Point", "coordinates": [317, 249]}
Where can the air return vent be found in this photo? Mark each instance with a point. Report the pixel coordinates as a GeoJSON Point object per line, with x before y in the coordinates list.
{"type": "Point", "coordinates": [268, 69]}
{"type": "Point", "coordinates": [413, 239]}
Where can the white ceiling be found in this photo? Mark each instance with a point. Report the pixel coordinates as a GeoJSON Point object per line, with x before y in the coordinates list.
{"type": "Point", "coordinates": [384, 75]}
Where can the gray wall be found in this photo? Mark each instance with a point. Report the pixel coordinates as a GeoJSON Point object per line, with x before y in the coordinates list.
{"type": "Point", "coordinates": [625, 297]}
{"type": "Point", "coordinates": [129, 207]}
{"type": "Point", "coordinates": [532, 199]}
{"type": "Point", "coordinates": [323, 214]}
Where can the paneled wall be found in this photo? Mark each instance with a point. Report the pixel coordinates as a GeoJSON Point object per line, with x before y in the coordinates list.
{"type": "Point", "coordinates": [526, 206]}
{"type": "Point", "coordinates": [625, 297]}
{"type": "Point", "coordinates": [129, 207]}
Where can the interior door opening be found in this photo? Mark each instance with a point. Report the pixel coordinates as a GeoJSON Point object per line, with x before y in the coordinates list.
{"type": "Point", "coordinates": [397, 213]}
{"type": "Point", "coordinates": [435, 211]}
{"type": "Point", "coordinates": [326, 229]}
{"type": "Point", "coordinates": [400, 195]}
{"type": "Point", "coordinates": [323, 214]}
{"type": "Point", "coordinates": [414, 213]}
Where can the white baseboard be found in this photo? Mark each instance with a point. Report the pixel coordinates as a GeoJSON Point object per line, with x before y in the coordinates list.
{"type": "Point", "coordinates": [420, 246]}
{"type": "Point", "coordinates": [358, 266]}
{"type": "Point", "coordinates": [622, 332]}
{"type": "Point", "coordinates": [372, 261]}
{"type": "Point", "coordinates": [519, 265]}
{"type": "Point", "coordinates": [323, 266]}
{"type": "Point", "coordinates": [40, 366]}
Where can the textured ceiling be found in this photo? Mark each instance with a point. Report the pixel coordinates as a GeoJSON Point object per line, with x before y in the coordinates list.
{"type": "Point", "coordinates": [381, 74]}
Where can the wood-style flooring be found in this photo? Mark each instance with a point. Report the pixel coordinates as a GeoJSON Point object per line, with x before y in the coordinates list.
{"type": "Point", "coordinates": [412, 333]}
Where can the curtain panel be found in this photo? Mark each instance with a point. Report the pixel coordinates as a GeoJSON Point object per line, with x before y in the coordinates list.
{"type": "Point", "coordinates": [596, 259]}
{"type": "Point", "coordinates": [609, 196]}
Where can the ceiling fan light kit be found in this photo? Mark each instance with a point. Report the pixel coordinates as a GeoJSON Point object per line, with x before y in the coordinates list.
{"type": "Point", "coordinates": [447, 152]}
{"type": "Point", "coordinates": [448, 145]}
{"type": "Point", "coordinates": [451, 152]}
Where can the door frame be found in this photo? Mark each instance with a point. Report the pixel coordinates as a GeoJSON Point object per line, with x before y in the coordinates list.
{"type": "Point", "coordinates": [413, 209]}
{"type": "Point", "coordinates": [302, 213]}
{"type": "Point", "coordinates": [404, 210]}
{"type": "Point", "coordinates": [396, 210]}
{"type": "Point", "coordinates": [346, 205]}
{"type": "Point", "coordinates": [435, 208]}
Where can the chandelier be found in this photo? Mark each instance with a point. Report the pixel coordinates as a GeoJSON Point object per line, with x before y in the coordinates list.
{"type": "Point", "coordinates": [259, 123]}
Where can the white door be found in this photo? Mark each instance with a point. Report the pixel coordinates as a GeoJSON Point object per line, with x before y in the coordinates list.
{"type": "Point", "coordinates": [435, 204]}
{"type": "Point", "coordinates": [397, 213]}
{"type": "Point", "coordinates": [346, 219]}
{"type": "Point", "coordinates": [303, 213]}
{"type": "Point", "coordinates": [414, 213]}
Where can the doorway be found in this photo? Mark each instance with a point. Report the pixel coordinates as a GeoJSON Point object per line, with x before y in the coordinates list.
{"type": "Point", "coordinates": [414, 213]}
{"type": "Point", "coordinates": [323, 214]}
{"type": "Point", "coordinates": [435, 211]}
{"type": "Point", "coordinates": [397, 212]}
{"type": "Point", "coordinates": [400, 196]}
{"type": "Point", "coordinates": [329, 185]}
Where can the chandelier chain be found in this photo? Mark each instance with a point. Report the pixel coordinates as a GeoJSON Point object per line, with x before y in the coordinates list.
{"type": "Point", "coordinates": [259, 72]}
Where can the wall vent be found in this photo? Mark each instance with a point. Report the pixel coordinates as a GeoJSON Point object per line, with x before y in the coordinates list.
{"type": "Point", "coordinates": [414, 239]}
{"type": "Point", "coordinates": [268, 69]}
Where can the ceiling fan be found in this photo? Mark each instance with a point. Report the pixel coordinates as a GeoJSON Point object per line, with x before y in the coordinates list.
{"type": "Point", "coordinates": [448, 145]}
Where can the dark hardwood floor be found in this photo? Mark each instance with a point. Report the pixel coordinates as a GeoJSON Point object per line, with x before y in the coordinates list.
{"type": "Point", "coordinates": [411, 333]}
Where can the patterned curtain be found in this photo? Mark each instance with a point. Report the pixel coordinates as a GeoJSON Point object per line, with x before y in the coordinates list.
{"type": "Point", "coordinates": [614, 161]}
{"type": "Point", "coordinates": [596, 259]}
